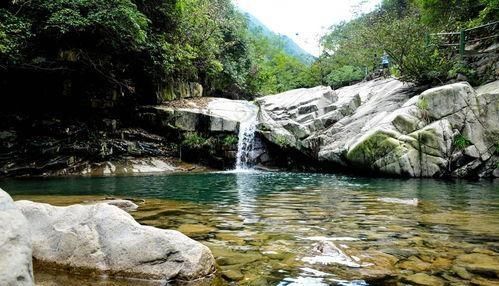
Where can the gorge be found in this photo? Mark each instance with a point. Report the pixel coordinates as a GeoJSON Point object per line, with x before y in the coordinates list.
{"type": "Point", "coordinates": [381, 126]}
{"type": "Point", "coordinates": [184, 142]}
{"type": "Point", "coordinates": [271, 227]}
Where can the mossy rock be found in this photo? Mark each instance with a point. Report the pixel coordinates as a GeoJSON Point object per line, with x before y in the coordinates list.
{"type": "Point", "coordinates": [372, 148]}
{"type": "Point", "coordinates": [404, 124]}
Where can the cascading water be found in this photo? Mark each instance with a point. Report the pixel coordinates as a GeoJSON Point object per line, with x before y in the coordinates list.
{"type": "Point", "coordinates": [247, 129]}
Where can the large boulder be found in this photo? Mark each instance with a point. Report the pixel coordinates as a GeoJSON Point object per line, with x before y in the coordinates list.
{"type": "Point", "coordinates": [103, 238]}
{"type": "Point", "coordinates": [449, 130]}
{"type": "Point", "coordinates": [15, 245]}
{"type": "Point", "coordinates": [288, 117]}
{"type": "Point", "coordinates": [385, 126]}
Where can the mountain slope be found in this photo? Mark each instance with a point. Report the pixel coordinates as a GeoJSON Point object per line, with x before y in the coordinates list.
{"type": "Point", "coordinates": [289, 46]}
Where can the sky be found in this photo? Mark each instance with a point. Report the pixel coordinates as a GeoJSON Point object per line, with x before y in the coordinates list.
{"type": "Point", "coordinates": [305, 21]}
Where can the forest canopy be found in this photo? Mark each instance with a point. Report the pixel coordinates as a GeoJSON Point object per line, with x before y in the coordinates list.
{"type": "Point", "coordinates": [402, 29]}
{"type": "Point", "coordinates": [139, 47]}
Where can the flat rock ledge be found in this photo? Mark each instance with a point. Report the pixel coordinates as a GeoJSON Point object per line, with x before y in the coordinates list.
{"type": "Point", "coordinates": [104, 239]}
{"type": "Point", "coordinates": [16, 267]}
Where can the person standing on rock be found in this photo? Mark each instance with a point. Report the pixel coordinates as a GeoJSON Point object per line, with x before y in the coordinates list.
{"type": "Point", "coordinates": [385, 62]}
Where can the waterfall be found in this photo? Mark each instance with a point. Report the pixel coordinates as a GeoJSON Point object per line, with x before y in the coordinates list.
{"type": "Point", "coordinates": [247, 129]}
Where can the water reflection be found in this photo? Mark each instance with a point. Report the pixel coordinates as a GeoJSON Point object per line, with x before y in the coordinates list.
{"type": "Point", "coordinates": [247, 190]}
{"type": "Point", "coordinates": [263, 225]}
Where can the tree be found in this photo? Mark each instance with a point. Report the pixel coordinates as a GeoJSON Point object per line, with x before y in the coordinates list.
{"type": "Point", "coordinates": [394, 28]}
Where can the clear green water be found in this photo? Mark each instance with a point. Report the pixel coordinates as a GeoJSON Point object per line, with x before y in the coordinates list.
{"type": "Point", "coordinates": [265, 228]}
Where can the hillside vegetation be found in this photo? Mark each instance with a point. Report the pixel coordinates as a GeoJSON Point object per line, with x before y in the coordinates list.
{"type": "Point", "coordinates": [139, 47]}
{"type": "Point", "coordinates": [402, 29]}
{"type": "Point", "coordinates": [135, 49]}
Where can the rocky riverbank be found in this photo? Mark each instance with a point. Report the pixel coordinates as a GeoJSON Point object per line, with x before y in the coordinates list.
{"type": "Point", "coordinates": [388, 127]}
{"type": "Point", "coordinates": [96, 239]}
{"type": "Point", "coordinates": [55, 145]}
{"type": "Point", "coordinates": [381, 126]}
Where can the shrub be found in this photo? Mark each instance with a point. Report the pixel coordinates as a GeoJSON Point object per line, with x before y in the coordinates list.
{"type": "Point", "coordinates": [230, 140]}
{"type": "Point", "coordinates": [461, 67]}
{"type": "Point", "coordinates": [193, 140]}
{"type": "Point", "coordinates": [461, 142]}
{"type": "Point", "coordinates": [344, 76]}
{"type": "Point", "coordinates": [423, 105]}
{"type": "Point", "coordinates": [281, 140]}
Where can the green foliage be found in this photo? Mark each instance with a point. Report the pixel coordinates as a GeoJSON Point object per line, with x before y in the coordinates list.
{"type": "Point", "coordinates": [422, 103]}
{"type": "Point", "coordinates": [141, 46]}
{"type": "Point", "coordinates": [460, 142]}
{"type": "Point", "coordinates": [404, 41]}
{"type": "Point", "coordinates": [230, 140]}
{"type": "Point", "coordinates": [344, 75]}
{"type": "Point", "coordinates": [281, 140]}
{"type": "Point", "coordinates": [461, 67]}
{"type": "Point", "coordinates": [488, 14]}
{"type": "Point", "coordinates": [423, 106]}
{"type": "Point", "coordinates": [193, 140]}
{"type": "Point", "coordinates": [274, 70]}
{"type": "Point", "coordinates": [450, 15]}
{"type": "Point", "coordinates": [14, 36]}
{"type": "Point", "coordinates": [401, 28]}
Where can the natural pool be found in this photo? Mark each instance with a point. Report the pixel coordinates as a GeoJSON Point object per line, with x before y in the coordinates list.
{"type": "Point", "coordinates": [307, 229]}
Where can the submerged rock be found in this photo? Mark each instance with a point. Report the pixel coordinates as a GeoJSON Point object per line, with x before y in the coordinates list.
{"type": "Point", "coordinates": [15, 245]}
{"type": "Point", "coordinates": [409, 202]}
{"type": "Point", "coordinates": [326, 252]}
{"type": "Point", "coordinates": [479, 263]}
{"type": "Point", "coordinates": [103, 238]}
{"type": "Point", "coordinates": [423, 279]}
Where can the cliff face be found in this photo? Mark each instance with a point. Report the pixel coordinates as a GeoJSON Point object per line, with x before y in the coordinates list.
{"type": "Point", "coordinates": [385, 127]}
{"type": "Point", "coordinates": [379, 126]}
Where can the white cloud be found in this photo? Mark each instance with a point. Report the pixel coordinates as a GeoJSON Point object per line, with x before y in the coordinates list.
{"type": "Point", "coordinates": [305, 21]}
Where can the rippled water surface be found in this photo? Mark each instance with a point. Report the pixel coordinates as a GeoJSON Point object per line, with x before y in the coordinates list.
{"type": "Point", "coordinates": [308, 229]}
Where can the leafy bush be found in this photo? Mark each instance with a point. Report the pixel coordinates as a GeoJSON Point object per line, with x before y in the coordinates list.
{"type": "Point", "coordinates": [423, 105]}
{"type": "Point", "coordinates": [345, 75]}
{"type": "Point", "coordinates": [281, 140]}
{"type": "Point", "coordinates": [230, 140]}
{"type": "Point", "coordinates": [460, 142]}
{"type": "Point", "coordinates": [193, 140]}
{"type": "Point", "coordinates": [461, 67]}
{"type": "Point", "coordinates": [402, 29]}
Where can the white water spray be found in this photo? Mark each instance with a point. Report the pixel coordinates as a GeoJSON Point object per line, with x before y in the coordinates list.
{"type": "Point", "coordinates": [245, 143]}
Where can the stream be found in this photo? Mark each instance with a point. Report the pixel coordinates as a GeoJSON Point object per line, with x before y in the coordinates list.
{"type": "Point", "coordinates": [271, 228]}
